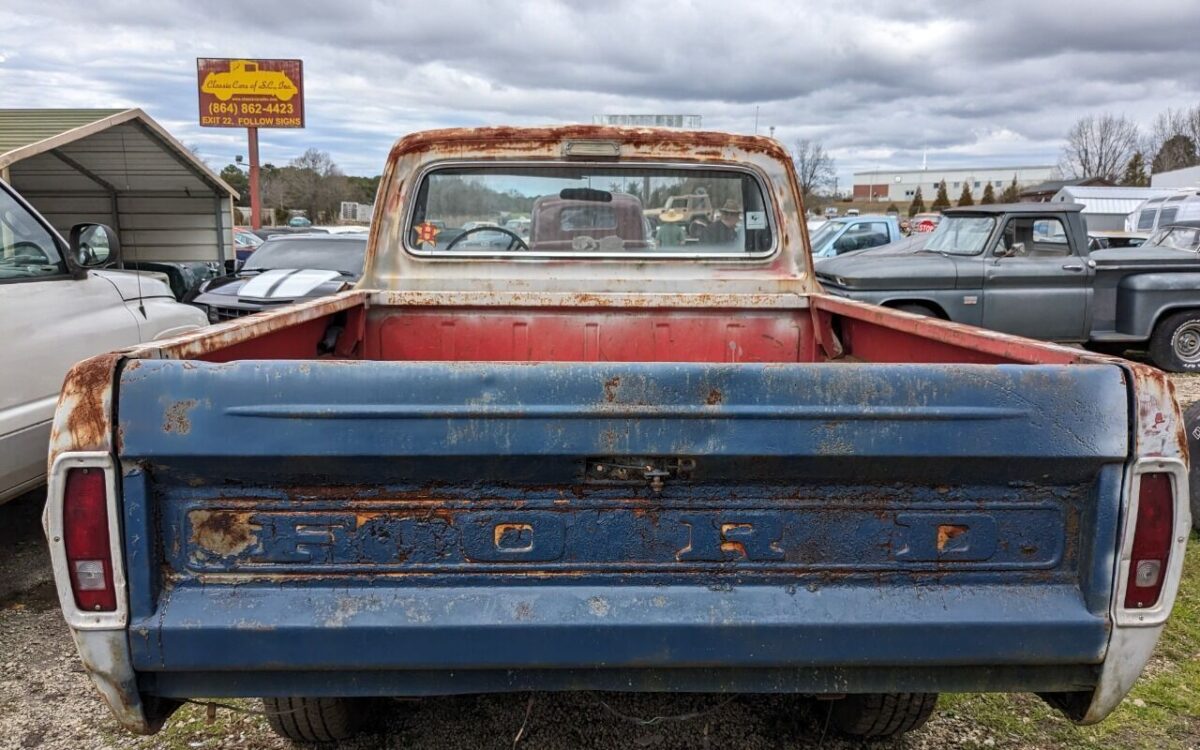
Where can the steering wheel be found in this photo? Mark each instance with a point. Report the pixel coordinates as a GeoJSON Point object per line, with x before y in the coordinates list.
{"type": "Point", "coordinates": [516, 243]}
{"type": "Point", "coordinates": [25, 249]}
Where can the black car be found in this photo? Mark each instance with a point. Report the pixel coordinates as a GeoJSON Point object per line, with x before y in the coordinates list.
{"type": "Point", "coordinates": [284, 270]}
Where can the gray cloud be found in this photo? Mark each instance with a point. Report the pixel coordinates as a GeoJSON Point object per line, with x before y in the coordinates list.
{"type": "Point", "coordinates": [879, 83]}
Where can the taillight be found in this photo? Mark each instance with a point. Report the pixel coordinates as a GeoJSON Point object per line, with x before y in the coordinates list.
{"type": "Point", "coordinates": [1151, 541]}
{"type": "Point", "coordinates": [85, 533]}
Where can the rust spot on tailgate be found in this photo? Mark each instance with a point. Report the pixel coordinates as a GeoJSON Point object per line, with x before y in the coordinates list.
{"type": "Point", "coordinates": [610, 388]}
{"type": "Point", "coordinates": [223, 532]}
{"type": "Point", "coordinates": [81, 420]}
{"type": "Point", "coordinates": [946, 532]}
{"type": "Point", "coordinates": [176, 417]}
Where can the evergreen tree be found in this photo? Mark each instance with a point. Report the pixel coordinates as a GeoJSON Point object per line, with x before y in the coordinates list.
{"type": "Point", "coordinates": [942, 201]}
{"type": "Point", "coordinates": [989, 195]}
{"type": "Point", "coordinates": [237, 179]}
{"type": "Point", "coordinates": [917, 205]}
{"type": "Point", "coordinates": [892, 209]}
{"type": "Point", "coordinates": [1012, 193]}
{"type": "Point", "coordinates": [1135, 171]}
{"type": "Point", "coordinates": [1177, 152]}
{"type": "Point", "coordinates": [966, 199]}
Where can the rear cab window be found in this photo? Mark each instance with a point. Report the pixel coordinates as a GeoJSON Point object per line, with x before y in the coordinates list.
{"type": "Point", "coordinates": [590, 210]}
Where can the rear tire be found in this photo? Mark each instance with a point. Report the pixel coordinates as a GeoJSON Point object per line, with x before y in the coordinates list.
{"type": "Point", "coordinates": [312, 719]}
{"type": "Point", "coordinates": [1175, 345]}
{"type": "Point", "coordinates": [882, 714]}
{"type": "Point", "coordinates": [1191, 427]}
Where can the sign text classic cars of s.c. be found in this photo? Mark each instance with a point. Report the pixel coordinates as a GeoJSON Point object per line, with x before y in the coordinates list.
{"type": "Point", "coordinates": [237, 93]}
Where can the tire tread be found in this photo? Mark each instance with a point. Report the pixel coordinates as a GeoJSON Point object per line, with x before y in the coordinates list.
{"type": "Point", "coordinates": [883, 714]}
{"type": "Point", "coordinates": [310, 719]}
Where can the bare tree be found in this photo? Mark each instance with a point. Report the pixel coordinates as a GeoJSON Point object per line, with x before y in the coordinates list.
{"type": "Point", "coordinates": [314, 183]}
{"type": "Point", "coordinates": [814, 166]}
{"type": "Point", "coordinates": [1099, 146]}
{"type": "Point", "coordinates": [1171, 123]}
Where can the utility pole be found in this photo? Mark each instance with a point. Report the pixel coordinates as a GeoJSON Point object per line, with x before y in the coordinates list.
{"type": "Point", "coordinates": [255, 196]}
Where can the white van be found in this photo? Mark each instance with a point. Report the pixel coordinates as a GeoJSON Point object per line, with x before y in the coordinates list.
{"type": "Point", "coordinates": [1164, 211]}
{"type": "Point", "coordinates": [58, 307]}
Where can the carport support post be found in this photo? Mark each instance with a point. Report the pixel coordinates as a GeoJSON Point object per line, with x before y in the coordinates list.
{"type": "Point", "coordinates": [255, 201]}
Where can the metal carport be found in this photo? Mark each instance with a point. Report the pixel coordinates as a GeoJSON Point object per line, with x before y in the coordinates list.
{"type": "Point", "coordinates": [121, 168]}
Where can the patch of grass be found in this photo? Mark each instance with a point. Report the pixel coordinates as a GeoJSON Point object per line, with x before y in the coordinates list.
{"type": "Point", "coordinates": [189, 729]}
{"type": "Point", "coordinates": [1161, 712]}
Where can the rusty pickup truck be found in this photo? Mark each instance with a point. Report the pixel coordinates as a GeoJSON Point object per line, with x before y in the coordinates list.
{"type": "Point", "coordinates": [503, 464]}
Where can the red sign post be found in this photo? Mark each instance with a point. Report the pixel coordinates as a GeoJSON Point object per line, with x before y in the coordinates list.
{"type": "Point", "coordinates": [251, 94]}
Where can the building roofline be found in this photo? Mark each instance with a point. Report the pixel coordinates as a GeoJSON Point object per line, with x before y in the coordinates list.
{"type": "Point", "coordinates": [952, 169]}
{"type": "Point", "coordinates": [105, 122]}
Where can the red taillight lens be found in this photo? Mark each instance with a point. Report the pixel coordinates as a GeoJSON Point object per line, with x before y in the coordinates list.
{"type": "Point", "coordinates": [85, 533]}
{"type": "Point", "coordinates": [1151, 542]}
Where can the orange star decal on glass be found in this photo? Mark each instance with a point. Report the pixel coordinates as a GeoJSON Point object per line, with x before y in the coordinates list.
{"type": "Point", "coordinates": [426, 233]}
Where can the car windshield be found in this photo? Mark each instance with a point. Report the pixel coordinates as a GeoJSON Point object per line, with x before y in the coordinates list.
{"type": "Point", "coordinates": [961, 235]}
{"type": "Point", "coordinates": [587, 210]}
{"type": "Point", "coordinates": [826, 230]}
{"type": "Point", "coordinates": [323, 254]}
{"type": "Point", "coordinates": [1178, 238]}
{"type": "Point", "coordinates": [27, 249]}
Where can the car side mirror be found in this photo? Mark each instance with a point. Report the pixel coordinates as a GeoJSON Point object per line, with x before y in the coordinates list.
{"type": "Point", "coordinates": [93, 246]}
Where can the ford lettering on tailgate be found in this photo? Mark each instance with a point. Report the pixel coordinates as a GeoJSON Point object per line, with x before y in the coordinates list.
{"type": "Point", "coordinates": [621, 537]}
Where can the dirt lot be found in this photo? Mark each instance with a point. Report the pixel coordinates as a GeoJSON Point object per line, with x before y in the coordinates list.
{"type": "Point", "coordinates": [46, 700]}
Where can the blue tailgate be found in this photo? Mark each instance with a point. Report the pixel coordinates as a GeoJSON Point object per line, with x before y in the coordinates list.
{"type": "Point", "coordinates": [385, 520]}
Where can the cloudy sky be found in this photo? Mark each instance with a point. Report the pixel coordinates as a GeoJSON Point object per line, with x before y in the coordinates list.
{"type": "Point", "coordinates": [879, 83]}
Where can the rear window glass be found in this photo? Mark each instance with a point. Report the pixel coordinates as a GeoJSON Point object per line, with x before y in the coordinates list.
{"type": "Point", "coordinates": [1146, 219]}
{"type": "Point", "coordinates": [345, 256]}
{"type": "Point", "coordinates": [587, 217]}
{"type": "Point", "coordinates": [590, 210]}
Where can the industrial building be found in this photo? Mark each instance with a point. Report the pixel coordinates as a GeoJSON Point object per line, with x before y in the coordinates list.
{"type": "Point", "coordinates": [1188, 177]}
{"type": "Point", "coordinates": [901, 185]}
{"type": "Point", "coordinates": [1106, 208]}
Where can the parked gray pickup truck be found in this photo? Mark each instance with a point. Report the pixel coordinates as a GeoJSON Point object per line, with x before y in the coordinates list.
{"type": "Point", "coordinates": [1025, 268]}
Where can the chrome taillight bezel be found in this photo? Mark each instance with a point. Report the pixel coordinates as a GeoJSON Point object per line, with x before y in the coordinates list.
{"type": "Point", "coordinates": [1157, 614]}
{"type": "Point", "coordinates": [52, 520]}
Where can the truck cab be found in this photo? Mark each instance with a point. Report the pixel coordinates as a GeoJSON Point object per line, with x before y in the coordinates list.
{"type": "Point", "coordinates": [1018, 268]}
{"type": "Point", "coordinates": [1028, 269]}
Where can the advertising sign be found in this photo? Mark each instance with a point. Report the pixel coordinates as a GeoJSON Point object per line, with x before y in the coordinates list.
{"type": "Point", "coordinates": [250, 93]}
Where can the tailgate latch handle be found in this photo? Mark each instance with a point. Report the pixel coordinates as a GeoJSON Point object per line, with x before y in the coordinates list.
{"type": "Point", "coordinates": [654, 471]}
{"type": "Point", "coordinates": [656, 477]}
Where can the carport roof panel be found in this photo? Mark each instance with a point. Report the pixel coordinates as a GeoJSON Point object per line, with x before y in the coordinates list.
{"type": "Point", "coordinates": [25, 133]}
{"type": "Point", "coordinates": [24, 127]}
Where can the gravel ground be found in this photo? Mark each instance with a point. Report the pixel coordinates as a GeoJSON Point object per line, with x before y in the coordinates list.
{"type": "Point", "coordinates": [46, 701]}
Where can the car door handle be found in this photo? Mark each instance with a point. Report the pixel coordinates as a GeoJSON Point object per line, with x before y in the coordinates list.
{"type": "Point", "coordinates": [1073, 267]}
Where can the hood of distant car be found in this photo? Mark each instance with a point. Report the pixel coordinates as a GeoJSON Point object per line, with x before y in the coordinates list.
{"type": "Point", "coordinates": [276, 285]}
{"type": "Point", "coordinates": [889, 270]}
